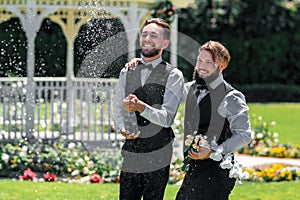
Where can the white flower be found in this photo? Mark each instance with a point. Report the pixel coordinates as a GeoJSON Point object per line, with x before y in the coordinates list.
{"type": "Point", "coordinates": [189, 140]}
{"type": "Point", "coordinates": [86, 170]}
{"type": "Point", "coordinates": [90, 164]}
{"type": "Point", "coordinates": [80, 161]}
{"type": "Point", "coordinates": [177, 122]}
{"type": "Point", "coordinates": [85, 179]}
{"type": "Point", "coordinates": [244, 175]}
{"type": "Point", "coordinates": [71, 145]}
{"type": "Point", "coordinates": [24, 149]}
{"type": "Point", "coordinates": [22, 154]}
{"type": "Point", "coordinates": [259, 135]}
{"type": "Point", "coordinates": [252, 135]}
{"type": "Point", "coordinates": [275, 135]}
{"type": "Point", "coordinates": [226, 164]}
{"type": "Point", "coordinates": [86, 158]}
{"type": "Point", "coordinates": [75, 172]}
{"type": "Point", "coordinates": [176, 131]}
{"type": "Point", "coordinates": [273, 123]}
{"type": "Point", "coordinates": [235, 171]}
{"type": "Point", "coordinates": [216, 156]}
{"type": "Point", "coordinates": [5, 157]}
{"type": "Point", "coordinates": [259, 118]}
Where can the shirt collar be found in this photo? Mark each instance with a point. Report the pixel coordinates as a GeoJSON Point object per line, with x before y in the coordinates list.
{"type": "Point", "coordinates": [216, 82]}
{"type": "Point", "coordinates": [153, 62]}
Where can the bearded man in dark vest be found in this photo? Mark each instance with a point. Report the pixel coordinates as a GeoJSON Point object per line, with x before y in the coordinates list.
{"type": "Point", "coordinates": [218, 112]}
{"type": "Point", "coordinates": [150, 96]}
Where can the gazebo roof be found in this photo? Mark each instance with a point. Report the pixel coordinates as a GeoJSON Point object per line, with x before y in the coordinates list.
{"type": "Point", "coordinates": [176, 3]}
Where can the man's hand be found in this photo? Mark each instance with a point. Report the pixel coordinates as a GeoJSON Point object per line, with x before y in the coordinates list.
{"type": "Point", "coordinates": [131, 136]}
{"type": "Point", "coordinates": [131, 104]}
{"type": "Point", "coordinates": [133, 63]}
{"type": "Point", "coordinates": [201, 154]}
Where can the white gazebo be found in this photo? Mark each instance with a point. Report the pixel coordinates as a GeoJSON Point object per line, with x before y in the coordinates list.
{"type": "Point", "coordinates": [71, 15]}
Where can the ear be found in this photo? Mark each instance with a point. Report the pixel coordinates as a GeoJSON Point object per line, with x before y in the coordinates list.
{"type": "Point", "coordinates": [166, 44]}
{"type": "Point", "coordinates": [222, 66]}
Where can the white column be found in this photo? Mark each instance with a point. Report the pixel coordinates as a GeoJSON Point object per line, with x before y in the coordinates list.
{"type": "Point", "coordinates": [174, 41]}
{"type": "Point", "coordinates": [31, 23]}
{"type": "Point", "coordinates": [132, 29]}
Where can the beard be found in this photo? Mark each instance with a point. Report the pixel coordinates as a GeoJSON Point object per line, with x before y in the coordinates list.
{"type": "Point", "coordinates": [150, 53]}
{"type": "Point", "coordinates": [208, 79]}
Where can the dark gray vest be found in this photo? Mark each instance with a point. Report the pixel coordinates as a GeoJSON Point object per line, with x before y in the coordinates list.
{"type": "Point", "coordinates": [203, 118]}
{"type": "Point", "coordinates": [152, 136]}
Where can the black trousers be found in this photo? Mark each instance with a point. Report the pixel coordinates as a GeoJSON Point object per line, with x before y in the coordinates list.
{"type": "Point", "coordinates": [150, 185]}
{"type": "Point", "coordinates": [205, 180]}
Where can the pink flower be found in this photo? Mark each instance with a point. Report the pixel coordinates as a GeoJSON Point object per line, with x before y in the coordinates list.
{"type": "Point", "coordinates": [49, 177]}
{"type": "Point", "coordinates": [117, 179]}
{"type": "Point", "coordinates": [28, 175]}
{"type": "Point", "coordinates": [96, 178]}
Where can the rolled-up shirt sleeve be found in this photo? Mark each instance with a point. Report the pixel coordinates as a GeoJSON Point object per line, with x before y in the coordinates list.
{"type": "Point", "coordinates": [165, 115]}
{"type": "Point", "coordinates": [235, 109]}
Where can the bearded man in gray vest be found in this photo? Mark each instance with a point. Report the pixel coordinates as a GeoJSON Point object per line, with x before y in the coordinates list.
{"type": "Point", "coordinates": [217, 111]}
{"type": "Point", "coordinates": [151, 94]}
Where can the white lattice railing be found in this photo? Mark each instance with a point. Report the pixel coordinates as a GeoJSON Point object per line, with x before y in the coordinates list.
{"type": "Point", "coordinates": [87, 115]}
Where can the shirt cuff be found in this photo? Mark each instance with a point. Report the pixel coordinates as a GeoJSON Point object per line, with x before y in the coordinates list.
{"type": "Point", "coordinates": [145, 112]}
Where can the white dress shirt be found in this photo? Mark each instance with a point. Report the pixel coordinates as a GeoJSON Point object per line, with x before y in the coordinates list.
{"type": "Point", "coordinates": [165, 115]}
{"type": "Point", "coordinates": [234, 108]}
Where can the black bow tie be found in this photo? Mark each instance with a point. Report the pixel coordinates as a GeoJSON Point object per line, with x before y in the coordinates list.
{"type": "Point", "coordinates": [202, 87]}
{"type": "Point", "coordinates": [149, 66]}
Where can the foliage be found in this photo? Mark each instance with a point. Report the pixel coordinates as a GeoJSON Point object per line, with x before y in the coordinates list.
{"type": "Point", "coordinates": [260, 36]}
{"type": "Point", "coordinates": [50, 50]}
{"type": "Point", "coordinates": [265, 141]}
{"type": "Point", "coordinates": [59, 157]}
{"type": "Point", "coordinates": [274, 92]}
{"type": "Point", "coordinates": [13, 50]}
{"type": "Point", "coordinates": [164, 10]}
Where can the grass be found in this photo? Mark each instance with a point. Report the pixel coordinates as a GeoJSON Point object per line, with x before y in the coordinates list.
{"type": "Point", "coordinates": [25, 190]}
{"type": "Point", "coordinates": [286, 116]}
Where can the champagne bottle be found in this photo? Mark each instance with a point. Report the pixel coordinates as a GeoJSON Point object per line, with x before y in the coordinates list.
{"type": "Point", "coordinates": [130, 122]}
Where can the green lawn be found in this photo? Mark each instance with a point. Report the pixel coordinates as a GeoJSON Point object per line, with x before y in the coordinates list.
{"type": "Point", "coordinates": [286, 116]}
{"type": "Point", "coordinates": [25, 190]}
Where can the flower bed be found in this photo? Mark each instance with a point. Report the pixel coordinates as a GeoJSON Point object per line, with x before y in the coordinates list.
{"type": "Point", "coordinates": [57, 158]}
{"type": "Point", "coordinates": [264, 173]}
{"type": "Point", "coordinates": [273, 172]}
{"type": "Point", "coordinates": [265, 142]}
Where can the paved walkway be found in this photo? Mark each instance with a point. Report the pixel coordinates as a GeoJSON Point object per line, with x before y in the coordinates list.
{"type": "Point", "coordinates": [249, 161]}
{"type": "Point", "coordinates": [245, 160]}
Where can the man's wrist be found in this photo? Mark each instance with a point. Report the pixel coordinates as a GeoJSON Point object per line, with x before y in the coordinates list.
{"type": "Point", "coordinates": [140, 106]}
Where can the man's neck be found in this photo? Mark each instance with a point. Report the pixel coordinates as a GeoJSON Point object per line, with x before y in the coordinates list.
{"type": "Point", "coordinates": [151, 59]}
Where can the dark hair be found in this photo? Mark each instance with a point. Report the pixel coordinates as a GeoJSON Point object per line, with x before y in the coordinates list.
{"type": "Point", "coordinates": [217, 51]}
{"type": "Point", "coordinates": [160, 22]}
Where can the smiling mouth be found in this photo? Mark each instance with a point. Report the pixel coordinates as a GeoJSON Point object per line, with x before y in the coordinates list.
{"type": "Point", "coordinates": [148, 46]}
{"type": "Point", "coordinates": [202, 72]}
